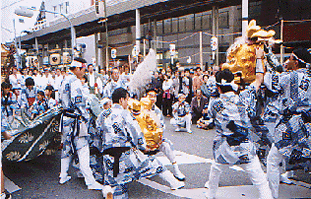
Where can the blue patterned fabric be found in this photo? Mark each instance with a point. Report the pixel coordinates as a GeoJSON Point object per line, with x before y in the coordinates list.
{"type": "Point", "coordinates": [179, 111]}
{"type": "Point", "coordinates": [233, 143]}
{"type": "Point", "coordinates": [35, 139]}
{"type": "Point", "coordinates": [292, 132]}
{"type": "Point", "coordinates": [73, 99]}
{"type": "Point", "coordinates": [118, 128]}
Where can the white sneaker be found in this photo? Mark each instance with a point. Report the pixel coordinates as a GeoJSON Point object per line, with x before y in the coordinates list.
{"type": "Point", "coordinates": [95, 186]}
{"type": "Point", "coordinates": [107, 192]}
{"type": "Point", "coordinates": [62, 180]}
{"type": "Point", "coordinates": [177, 173]}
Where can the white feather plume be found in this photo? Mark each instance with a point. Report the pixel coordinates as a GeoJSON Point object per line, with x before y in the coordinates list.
{"type": "Point", "coordinates": [143, 74]}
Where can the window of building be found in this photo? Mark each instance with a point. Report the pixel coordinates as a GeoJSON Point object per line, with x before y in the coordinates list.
{"type": "Point", "coordinates": [67, 7]}
{"type": "Point", "coordinates": [224, 20]}
{"type": "Point", "coordinates": [198, 21]}
{"type": "Point", "coordinates": [174, 25]}
{"type": "Point", "coordinates": [60, 7]}
{"type": "Point", "coordinates": [159, 28]}
{"type": "Point", "coordinates": [182, 24]}
{"type": "Point", "coordinates": [206, 20]}
{"type": "Point", "coordinates": [54, 9]}
{"type": "Point", "coordinates": [189, 22]}
{"type": "Point", "coordinates": [167, 26]}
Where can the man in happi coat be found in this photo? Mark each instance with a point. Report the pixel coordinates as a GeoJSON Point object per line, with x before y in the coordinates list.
{"type": "Point", "coordinates": [75, 125]}
{"type": "Point", "coordinates": [181, 114]}
{"type": "Point", "coordinates": [292, 131]}
{"type": "Point", "coordinates": [232, 143]}
{"type": "Point", "coordinates": [122, 141]}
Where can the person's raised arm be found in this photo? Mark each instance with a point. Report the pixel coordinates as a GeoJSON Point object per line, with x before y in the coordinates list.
{"type": "Point", "coordinates": [259, 67]}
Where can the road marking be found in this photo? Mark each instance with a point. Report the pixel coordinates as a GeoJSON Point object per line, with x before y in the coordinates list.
{"type": "Point", "coordinates": [236, 192]}
{"type": "Point", "coordinates": [299, 190]}
{"type": "Point", "coordinates": [185, 158]}
{"type": "Point", "coordinates": [10, 186]}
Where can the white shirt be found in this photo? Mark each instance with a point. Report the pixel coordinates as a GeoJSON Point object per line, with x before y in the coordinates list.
{"type": "Point", "coordinates": [92, 79]}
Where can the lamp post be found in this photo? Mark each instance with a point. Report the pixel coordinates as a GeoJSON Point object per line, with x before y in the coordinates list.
{"type": "Point", "coordinates": [15, 43]}
{"type": "Point", "coordinates": [21, 11]}
{"type": "Point", "coordinates": [20, 46]}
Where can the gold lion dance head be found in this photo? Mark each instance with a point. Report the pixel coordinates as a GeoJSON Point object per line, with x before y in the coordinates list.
{"type": "Point", "coordinates": [241, 56]}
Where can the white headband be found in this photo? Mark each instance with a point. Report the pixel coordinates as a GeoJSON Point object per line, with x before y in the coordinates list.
{"type": "Point", "coordinates": [225, 83]}
{"type": "Point", "coordinates": [75, 63]}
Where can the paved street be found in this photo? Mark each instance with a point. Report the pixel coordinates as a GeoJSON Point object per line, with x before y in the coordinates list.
{"type": "Point", "coordinates": [39, 178]}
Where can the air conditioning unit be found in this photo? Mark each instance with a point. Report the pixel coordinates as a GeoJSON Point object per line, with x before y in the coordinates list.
{"type": "Point", "coordinates": [100, 8]}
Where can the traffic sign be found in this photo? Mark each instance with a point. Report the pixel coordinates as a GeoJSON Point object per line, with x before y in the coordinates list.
{"type": "Point", "coordinates": [214, 43]}
{"type": "Point", "coordinates": [113, 53]}
{"type": "Point", "coordinates": [172, 50]}
{"type": "Point", "coordinates": [134, 51]}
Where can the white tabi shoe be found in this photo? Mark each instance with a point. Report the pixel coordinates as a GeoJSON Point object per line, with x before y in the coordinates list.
{"type": "Point", "coordinates": [284, 179]}
{"type": "Point", "coordinates": [107, 192]}
{"type": "Point", "coordinates": [177, 173]}
{"type": "Point", "coordinates": [169, 177]}
{"type": "Point", "coordinates": [63, 180]}
{"type": "Point", "coordinates": [95, 186]}
{"type": "Point", "coordinates": [206, 185]}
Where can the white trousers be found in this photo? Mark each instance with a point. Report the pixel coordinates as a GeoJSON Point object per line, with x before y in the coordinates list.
{"type": "Point", "coordinates": [168, 152]}
{"type": "Point", "coordinates": [273, 169]}
{"type": "Point", "coordinates": [253, 169]}
{"type": "Point", "coordinates": [186, 119]}
{"type": "Point", "coordinates": [84, 162]}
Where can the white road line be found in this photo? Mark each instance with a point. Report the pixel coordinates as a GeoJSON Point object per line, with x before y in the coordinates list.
{"type": "Point", "coordinates": [10, 186]}
{"type": "Point", "coordinates": [185, 158]}
{"type": "Point", "coordinates": [236, 192]}
{"type": "Point", "coordinates": [300, 190]}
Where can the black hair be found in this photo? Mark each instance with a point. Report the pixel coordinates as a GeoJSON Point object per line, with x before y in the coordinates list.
{"type": "Point", "coordinates": [49, 87]}
{"type": "Point", "coordinates": [41, 93]}
{"type": "Point", "coordinates": [85, 77]}
{"type": "Point", "coordinates": [150, 90]}
{"type": "Point", "coordinates": [5, 85]}
{"type": "Point", "coordinates": [118, 94]}
{"type": "Point", "coordinates": [187, 69]}
{"type": "Point", "coordinates": [227, 76]}
{"type": "Point", "coordinates": [205, 76]}
{"type": "Point", "coordinates": [303, 54]}
{"type": "Point", "coordinates": [29, 81]}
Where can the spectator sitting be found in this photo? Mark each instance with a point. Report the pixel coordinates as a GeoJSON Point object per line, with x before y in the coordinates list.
{"type": "Point", "coordinates": [205, 87]}
{"type": "Point", "coordinates": [181, 113]}
{"type": "Point", "coordinates": [197, 105]}
{"type": "Point", "coordinates": [205, 122]}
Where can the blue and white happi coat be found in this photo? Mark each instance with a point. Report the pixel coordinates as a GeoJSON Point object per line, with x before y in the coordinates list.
{"type": "Point", "coordinates": [180, 110]}
{"type": "Point", "coordinates": [233, 143]}
{"type": "Point", "coordinates": [112, 85]}
{"type": "Point", "coordinates": [120, 129]}
{"type": "Point", "coordinates": [74, 97]}
{"type": "Point", "coordinates": [292, 134]}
